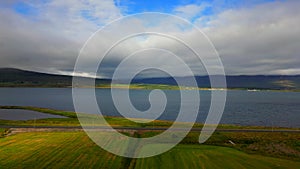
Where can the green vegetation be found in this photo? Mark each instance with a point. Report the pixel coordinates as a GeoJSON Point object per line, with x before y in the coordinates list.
{"type": "Point", "coordinates": [141, 86]}
{"type": "Point", "coordinates": [114, 121]}
{"type": "Point", "coordinates": [67, 148]}
{"type": "Point", "coordinates": [76, 150]}
{"type": "Point", "coordinates": [72, 119]}
{"type": "Point", "coordinates": [2, 132]}
{"type": "Point", "coordinates": [282, 145]}
{"type": "Point", "coordinates": [211, 157]}
{"type": "Point", "coordinates": [274, 144]}
{"type": "Point", "coordinates": [43, 110]}
{"type": "Point", "coordinates": [10, 77]}
{"type": "Point", "coordinates": [54, 150]}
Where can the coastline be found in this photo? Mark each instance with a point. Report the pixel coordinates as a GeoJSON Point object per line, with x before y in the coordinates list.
{"type": "Point", "coordinates": [72, 121]}
{"type": "Point", "coordinates": [151, 87]}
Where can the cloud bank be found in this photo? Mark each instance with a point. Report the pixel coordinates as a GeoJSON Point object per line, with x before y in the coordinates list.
{"type": "Point", "coordinates": [258, 39]}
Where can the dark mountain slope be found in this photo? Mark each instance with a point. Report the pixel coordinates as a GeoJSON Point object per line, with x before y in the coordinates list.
{"type": "Point", "coordinates": [248, 82]}
{"type": "Point", "coordinates": [10, 77]}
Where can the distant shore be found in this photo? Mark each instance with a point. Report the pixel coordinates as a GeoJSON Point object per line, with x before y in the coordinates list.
{"type": "Point", "coordinates": [148, 87]}
{"type": "Point", "coordinates": [72, 121]}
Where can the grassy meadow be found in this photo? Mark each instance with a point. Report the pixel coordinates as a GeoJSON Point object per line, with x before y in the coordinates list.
{"type": "Point", "coordinates": [211, 157]}
{"type": "Point", "coordinates": [54, 150]}
{"type": "Point", "coordinates": [74, 149]}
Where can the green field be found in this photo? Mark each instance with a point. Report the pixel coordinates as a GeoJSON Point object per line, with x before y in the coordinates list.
{"type": "Point", "coordinates": [76, 150]}
{"type": "Point", "coordinates": [54, 150]}
{"type": "Point", "coordinates": [211, 157]}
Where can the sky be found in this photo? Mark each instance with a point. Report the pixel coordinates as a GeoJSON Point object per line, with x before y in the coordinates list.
{"type": "Point", "coordinates": [252, 37]}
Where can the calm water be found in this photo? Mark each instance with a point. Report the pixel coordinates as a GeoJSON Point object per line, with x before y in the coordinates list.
{"type": "Point", "coordinates": [263, 108]}
{"type": "Point", "coordinates": [13, 114]}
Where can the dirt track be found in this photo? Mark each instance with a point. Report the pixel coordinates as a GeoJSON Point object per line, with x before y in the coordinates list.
{"type": "Point", "coordinates": [22, 129]}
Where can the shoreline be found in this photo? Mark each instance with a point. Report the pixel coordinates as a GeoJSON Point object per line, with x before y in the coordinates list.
{"type": "Point", "coordinates": [159, 86]}
{"type": "Point", "coordinates": [115, 121]}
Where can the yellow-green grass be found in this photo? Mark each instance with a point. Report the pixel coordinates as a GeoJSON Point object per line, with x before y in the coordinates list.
{"type": "Point", "coordinates": [212, 157]}
{"type": "Point", "coordinates": [140, 86]}
{"type": "Point", "coordinates": [276, 144]}
{"type": "Point", "coordinates": [76, 150]}
{"type": "Point", "coordinates": [2, 132]}
{"type": "Point", "coordinates": [143, 86]}
{"type": "Point", "coordinates": [54, 150]}
{"type": "Point", "coordinates": [273, 144]}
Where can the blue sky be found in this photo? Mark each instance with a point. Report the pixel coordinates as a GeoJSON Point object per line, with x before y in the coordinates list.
{"type": "Point", "coordinates": [252, 37]}
{"type": "Point", "coordinates": [128, 7]}
{"type": "Point", "coordinates": [167, 6]}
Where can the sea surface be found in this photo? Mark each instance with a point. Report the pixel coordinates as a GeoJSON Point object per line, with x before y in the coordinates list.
{"type": "Point", "coordinates": [258, 108]}
{"type": "Point", "coordinates": [19, 114]}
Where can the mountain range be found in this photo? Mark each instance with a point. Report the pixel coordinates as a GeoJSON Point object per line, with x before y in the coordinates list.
{"type": "Point", "coordinates": [11, 77]}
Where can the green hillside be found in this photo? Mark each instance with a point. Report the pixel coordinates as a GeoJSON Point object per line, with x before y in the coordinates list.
{"type": "Point", "coordinates": [10, 77]}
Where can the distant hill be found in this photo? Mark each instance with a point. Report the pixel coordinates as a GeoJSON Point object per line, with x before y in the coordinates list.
{"type": "Point", "coordinates": [10, 77]}
{"type": "Point", "coordinates": [276, 82]}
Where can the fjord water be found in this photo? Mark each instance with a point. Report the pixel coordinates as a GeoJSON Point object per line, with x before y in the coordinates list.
{"type": "Point", "coordinates": [259, 108]}
{"type": "Point", "coordinates": [13, 114]}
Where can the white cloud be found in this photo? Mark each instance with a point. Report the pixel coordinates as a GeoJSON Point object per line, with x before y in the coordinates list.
{"type": "Point", "coordinates": [286, 71]}
{"type": "Point", "coordinates": [50, 39]}
{"type": "Point", "coordinates": [190, 11]}
{"type": "Point", "coordinates": [256, 40]}
{"type": "Point", "coordinates": [249, 40]}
